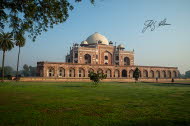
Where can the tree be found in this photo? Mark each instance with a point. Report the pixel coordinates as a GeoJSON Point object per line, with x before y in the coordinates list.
{"type": "Point", "coordinates": [26, 70]}
{"type": "Point", "coordinates": [187, 74]}
{"type": "Point", "coordinates": [33, 16]}
{"type": "Point", "coordinates": [8, 70]}
{"type": "Point", "coordinates": [20, 42]}
{"type": "Point", "coordinates": [136, 74]}
{"type": "Point", "coordinates": [96, 77]}
{"type": "Point", "coordinates": [6, 44]}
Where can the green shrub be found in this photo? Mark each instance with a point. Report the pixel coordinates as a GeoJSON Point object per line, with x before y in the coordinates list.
{"type": "Point", "coordinates": [96, 77]}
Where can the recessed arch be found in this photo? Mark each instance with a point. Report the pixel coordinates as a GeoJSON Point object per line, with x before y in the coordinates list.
{"type": "Point", "coordinates": [169, 74]}
{"type": "Point", "coordinates": [108, 73]}
{"type": "Point", "coordinates": [71, 72]}
{"type": "Point", "coordinates": [51, 72]}
{"type": "Point", "coordinates": [126, 61]}
{"type": "Point", "coordinates": [157, 74]}
{"type": "Point", "coordinates": [151, 74]}
{"type": "Point", "coordinates": [116, 57]}
{"type": "Point", "coordinates": [124, 73]}
{"type": "Point", "coordinates": [163, 74]}
{"type": "Point", "coordinates": [81, 72]}
{"type": "Point", "coordinates": [131, 73]}
{"type": "Point", "coordinates": [107, 57]}
{"type": "Point", "coordinates": [87, 59]}
{"type": "Point", "coordinates": [116, 73]}
{"type": "Point", "coordinates": [61, 71]}
{"type": "Point", "coordinates": [145, 73]}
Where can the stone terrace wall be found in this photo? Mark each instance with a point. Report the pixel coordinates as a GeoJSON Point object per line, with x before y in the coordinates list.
{"type": "Point", "coordinates": [43, 79]}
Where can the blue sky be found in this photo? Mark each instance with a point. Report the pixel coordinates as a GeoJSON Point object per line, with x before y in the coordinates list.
{"type": "Point", "coordinates": [120, 21]}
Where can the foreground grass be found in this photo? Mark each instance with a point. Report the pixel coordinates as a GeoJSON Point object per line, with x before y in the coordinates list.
{"type": "Point", "coordinates": [112, 104]}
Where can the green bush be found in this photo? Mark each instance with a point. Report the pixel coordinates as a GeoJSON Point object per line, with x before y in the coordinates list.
{"type": "Point", "coordinates": [96, 77]}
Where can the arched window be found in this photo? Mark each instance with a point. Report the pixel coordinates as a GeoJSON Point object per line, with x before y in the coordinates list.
{"type": "Point", "coordinates": [124, 73]}
{"type": "Point", "coordinates": [81, 72]}
{"type": "Point", "coordinates": [151, 74]}
{"type": "Point", "coordinates": [131, 73]}
{"type": "Point", "coordinates": [116, 73]}
{"type": "Point", "coordinates": [51, 72]}
{"type": "Point", "coordinates": [108, 73]}
{"type": "Point", "coordinates": [106, 57]}
{"type": "Point", "coordinates": [71, 72]}
{"type": "Point", "coordinates": [61, 72]}
{"type": "Point", "coordinates": [145, 73]}
{"type": "Point", "coordinates": [126, 61]}
{"type": "Point", "coordinates": [87, 59]}
{"type": "Point", "coordinates": [157, 74]}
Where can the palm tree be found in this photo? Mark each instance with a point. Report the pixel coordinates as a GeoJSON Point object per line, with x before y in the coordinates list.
{"type": "Point", "coordinates": [20, 42]}
{"type": "Point", "coordinates": [6, 44]}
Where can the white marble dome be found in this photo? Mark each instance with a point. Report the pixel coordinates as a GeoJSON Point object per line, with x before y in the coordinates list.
{"type": "Point", "coordinates": [96, 37]}
{"type": "Point", "coordinates": [84, 42]}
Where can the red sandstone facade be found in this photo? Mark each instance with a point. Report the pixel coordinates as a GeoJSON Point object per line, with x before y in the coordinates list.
{"type": "Point", "coordinates": [98, 55]}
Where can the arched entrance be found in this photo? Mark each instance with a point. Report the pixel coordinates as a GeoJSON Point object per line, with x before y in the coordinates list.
{"type": "Point", "coordinates": [124, 73]}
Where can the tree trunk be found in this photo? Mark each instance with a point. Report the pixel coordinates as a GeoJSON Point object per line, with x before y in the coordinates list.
{"type": "Point", "coordinates": [17, 64]}
{"type": "Point", "coordinates": [3, 66]}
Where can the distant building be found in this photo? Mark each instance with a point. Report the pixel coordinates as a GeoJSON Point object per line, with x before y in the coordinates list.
{"type": "Point", "coordinates": [97, 54]}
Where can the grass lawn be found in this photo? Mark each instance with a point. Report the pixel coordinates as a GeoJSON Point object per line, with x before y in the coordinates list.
{"type": "Point", "coordinates": [109, 104]}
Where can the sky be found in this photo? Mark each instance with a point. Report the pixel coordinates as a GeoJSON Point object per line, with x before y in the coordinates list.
{"type": "Point", "coordinates": [120, 21]}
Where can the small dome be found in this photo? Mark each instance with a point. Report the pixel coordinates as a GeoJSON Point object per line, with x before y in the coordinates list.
{"type": "Point", "coordinates": [121, 46]}
{"type": "Point", "coordinates": [84, 42]}
{"type": "Point", "coordinates": [96, 37]}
